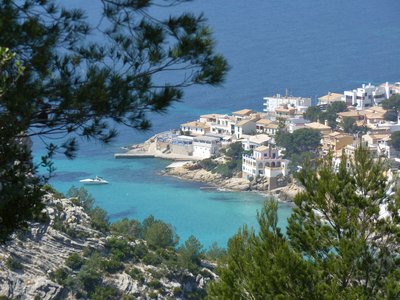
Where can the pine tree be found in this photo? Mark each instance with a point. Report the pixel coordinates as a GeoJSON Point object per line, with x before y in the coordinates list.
{"type": "Point", "coordinates": [79, 80]}
{"type": "Point", "coordinates": [339, 242]}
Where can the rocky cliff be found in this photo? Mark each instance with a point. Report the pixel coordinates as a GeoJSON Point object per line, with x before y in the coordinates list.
{"type": "Point", "coordinates": [31, 258]}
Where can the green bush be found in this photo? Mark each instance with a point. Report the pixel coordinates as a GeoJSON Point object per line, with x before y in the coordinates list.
{"type": "Point", "coordinates": [152, 259]}
{"type": "Point", "coordinates": [105, 293]}
{"type": "Point", "coordinates": [74, 261]}
{"type": "Point", "coordinates": [130, 229]}
{"type": "Point", "coordinates": [82, 198]}
{"type": "Point", "coordinates": [155, 284]}
{"type": "Point", "coordinates": [88, 278]}
{"type": "Point", "coordinates": [60, 275]}
{"type": "Point", "coordinates": [136, 274]}
{"type": "Point", "coordinates": [214, 252]}
{"type": "Point", "coordinates": [140, 251]}
{"type": "Point", "coordinates": [153, 295]}
{"type": "Point", "coordinates": [119, 248]}
{"type": "Point", "coordinates": [13, 264]}
{"type": "Point", "coordinates": [112, 265]}
{"type": "Point", "coordinates": [189, 254]}
{"type": "Point", "coordinates": [99, 219]}
{"type": "Point", "coordinates": [159, 234]}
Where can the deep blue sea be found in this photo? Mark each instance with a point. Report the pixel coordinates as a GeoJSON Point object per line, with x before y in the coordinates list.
{"type": "Point", "coordinates": [309, 47]}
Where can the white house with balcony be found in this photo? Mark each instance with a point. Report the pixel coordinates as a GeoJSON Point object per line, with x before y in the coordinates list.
{"type": "Point", "coordinates": [271, 103]}
{"type": "Point", "coordinates": [206, 146]}
{"type": "Point", "coordinates": [264, 162]}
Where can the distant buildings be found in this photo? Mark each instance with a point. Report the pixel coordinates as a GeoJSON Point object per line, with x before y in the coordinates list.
{"type": "Point", "coordinates": [273, 102]}
{"type": "Point", "coordinates": [367, 95]}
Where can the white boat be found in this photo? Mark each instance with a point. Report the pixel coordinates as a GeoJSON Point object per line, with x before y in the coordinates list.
{"type": "Point", "coordinates": [96, 180]}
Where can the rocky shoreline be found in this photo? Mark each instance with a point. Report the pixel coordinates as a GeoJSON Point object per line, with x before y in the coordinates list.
{"type": "Point", "coordinates": [39, 251]}
{"type": "Point", "coordinates": [192, 172]}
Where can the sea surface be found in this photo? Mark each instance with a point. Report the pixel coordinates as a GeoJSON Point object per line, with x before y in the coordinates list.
{"type": "Point", "coordinates": [307, 47]}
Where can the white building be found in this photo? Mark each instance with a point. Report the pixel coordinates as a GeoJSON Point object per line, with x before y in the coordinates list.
{"type": "Point", "coordinates": [264, 162]}
{"type": "Point", "coordinates": [195, 128]}
{"type": "Point", "coordinates": [253, 141]}
{"type": "Point", "coordinates": [273, 102]}
{"type": "Point", "coordinates": [245, 127]}
{"type": "Point", "coordinates": [206, 146]}
{"type": "Point", "coordinates": [223, 124]}
{"type": "Point", "coordinates": [367, 95]}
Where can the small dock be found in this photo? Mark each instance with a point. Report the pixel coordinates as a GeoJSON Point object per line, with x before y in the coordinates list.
{"type": "Point", "coordinates": [133, 155]}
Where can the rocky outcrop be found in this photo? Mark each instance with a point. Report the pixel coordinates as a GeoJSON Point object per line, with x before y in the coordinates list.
{"type": "Point", "coordinates": [29, 258]}
{"type": "Point", "coordinates": [191, 171]}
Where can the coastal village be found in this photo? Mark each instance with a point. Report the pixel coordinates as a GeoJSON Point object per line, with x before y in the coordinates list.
{"type": "Point", "coordinates": [362, 121]}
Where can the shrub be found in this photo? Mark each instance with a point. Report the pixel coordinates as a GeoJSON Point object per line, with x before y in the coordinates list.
{"type": "Point", "coordinates": [112, 265]}
{"type": "Point", "coordinates": [119, 248]}
{"type": "Point", "coordinates": [215, 252]}
{"type": "Point", "coordinates": [130, 229]}
{"type": "Point", "coordinates": [189, 254]}
{"type": "Point", "coordinates": [81, 197]}
{"type": "Point", "coordinates": [140, 251]}
{"type": "Point", "coordinates": [13, 264]}
{"type": "Point", "coordinates": [159, 234]}
{"type": "Point", "coordinates": [105, 293]}
{"type": "Point", "coordinates": [60, 275]}
{"type": "Point", "coordinates": [152, 259]}
{"type": "Point", "coordinates": [155, 284]}
{"type": "Point", "coordinates": [75, 261]}
{"type": "Point", "coordinates": [99, 219]}
{"type": "Point", "coordinates": [136, 274]}
{"type": "Point", "coordinates": [153, 295]}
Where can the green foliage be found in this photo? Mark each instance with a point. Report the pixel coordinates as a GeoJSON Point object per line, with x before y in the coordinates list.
{"type": "Point", "coordinates": [392, 104]}
{"type": "Point", "coordinates": [13, 264]}
{"type": "Point", "coordinates": [121, 78]}
{"type": "Point", "coordinates": [159, 234]}
{"type": "Point", "coordinates": [60, 276]}
{"type": "Point", "coordinates": [304, 140]}
{"type": "Point", "coordinates": [105, 293]}
{"type": "Point", "coordinates": [136, 274]}
{"type": "Point", "coordinates": [75, 261]}
{"type": "Point", "coordinates": [230, 168]}
{"type": "Point", "coordinates": [99, 219]}
{"type": "Point", "coordinates": [338, 246]}
{"type": "Point", "coordinates": [315, 114]}
{"type": "Point", "coordinates": [395, 140]}
{"type": "Point", "coordinates": [84, 198]}
{"type": "Point", "coordinates": [350, 126]}
{"type": "Point", "coordinates": [155, 284]}
{"type": "Point", "coordinates": [214, 252]}
{"type": "Point", "coordinates": [190, 253]}
{"type": "Point", "coordinates": [390, 115]}
{"type": "Point", "coordinates": [112, 265]}
{"type": "Point", "coordinates": [130, 229]}
{"type": "Point", "coordinates": [312, 113]}
{"type": "Point", "coordinates": [152, 259]}
{"type": "Point", "coordinates": [119, 248]}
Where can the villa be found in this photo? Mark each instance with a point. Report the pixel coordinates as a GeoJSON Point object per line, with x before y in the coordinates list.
{"type": "Point", "coordinates": [253, 141]}
{"type": "Point", "coordinates": [264, 162]}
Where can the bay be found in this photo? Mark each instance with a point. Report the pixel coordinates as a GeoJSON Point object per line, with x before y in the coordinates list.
{"type": "Point", "coordinates": [309, 47]}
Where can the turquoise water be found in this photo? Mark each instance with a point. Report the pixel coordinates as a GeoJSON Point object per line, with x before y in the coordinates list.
{"type": "Point", "coordinates": [136, 190]}
{"type": "Point", "coordinates": [309, 47]}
